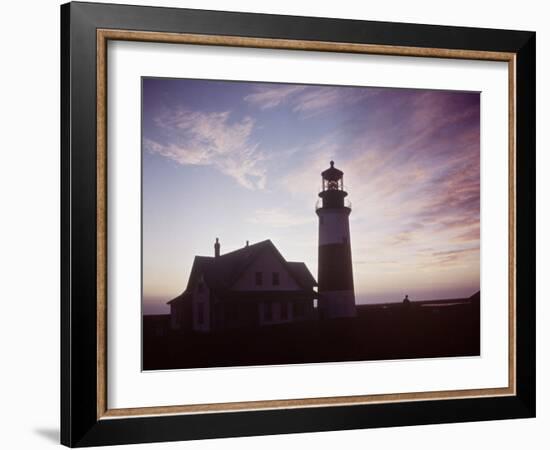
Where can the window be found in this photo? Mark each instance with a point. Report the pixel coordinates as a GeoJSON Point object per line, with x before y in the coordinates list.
{"type": "Point", "coordinates": [200, 313]}
{"type": "Point", "coordinates": [284, 311]}
{"type": "Point", "coordinates": [200, 287]}
{"type": "Point", "coordinates": [275, 279]}
{"type": "Point", "coordinates": [259, 279]}
{"type": "Point", "coordinates": [268, 311]}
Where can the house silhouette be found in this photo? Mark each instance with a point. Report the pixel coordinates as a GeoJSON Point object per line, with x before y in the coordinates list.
{"type": "Point", "coordinates": [248, 287]}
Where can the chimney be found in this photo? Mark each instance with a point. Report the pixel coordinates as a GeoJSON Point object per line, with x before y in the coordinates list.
{"type": "Point", "coordinates": [217, 248]}
{"type": "Point", "coordinates": [247, 243]}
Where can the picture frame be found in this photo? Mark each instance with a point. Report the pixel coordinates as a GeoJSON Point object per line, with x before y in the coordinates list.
{"type": "Point", "coordinates": [86, 418]}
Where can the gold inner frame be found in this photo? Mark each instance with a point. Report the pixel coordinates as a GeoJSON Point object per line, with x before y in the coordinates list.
{"type": "Point", "coordinates": [104, 35]}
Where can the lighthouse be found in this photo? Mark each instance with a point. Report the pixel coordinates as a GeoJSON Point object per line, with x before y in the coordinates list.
{"type": "Point", "coordinates": [335, 275]}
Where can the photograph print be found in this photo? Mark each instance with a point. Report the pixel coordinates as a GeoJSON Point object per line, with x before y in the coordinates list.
{"type": "Point", "coordinates": [298, 224]}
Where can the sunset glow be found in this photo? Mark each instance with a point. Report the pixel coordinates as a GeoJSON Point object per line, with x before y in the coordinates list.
{"type": "Point", "coordinates": [242, 161]}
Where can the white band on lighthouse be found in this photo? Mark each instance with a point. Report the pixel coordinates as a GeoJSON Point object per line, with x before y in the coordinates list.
{"type": "Point", "coordinates": [333, 226]}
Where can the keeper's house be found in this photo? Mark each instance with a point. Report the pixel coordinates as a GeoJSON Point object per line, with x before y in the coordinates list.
{"type": "Point", "coordinates": [252, 286]}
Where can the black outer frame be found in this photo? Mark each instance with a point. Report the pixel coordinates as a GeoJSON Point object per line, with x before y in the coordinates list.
{"type": "Point", "coordinates": [79, 423]}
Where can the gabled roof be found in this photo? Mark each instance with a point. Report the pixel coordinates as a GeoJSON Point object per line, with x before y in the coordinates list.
{"type": "Point", "coordinates": [180, 297]}
{"type": "Point", "coordinates": [222, 272]}
{"type": "Point", "coordinates": [303, 274]}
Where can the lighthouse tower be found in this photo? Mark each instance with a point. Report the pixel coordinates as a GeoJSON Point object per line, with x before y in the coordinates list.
{"type": "Point", "coordinates": [335, 275]}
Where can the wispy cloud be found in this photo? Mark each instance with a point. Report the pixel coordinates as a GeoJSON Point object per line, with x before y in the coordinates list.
{"type": "Point", "coordinates": [211, 139]}
{"type": "Point", "coordinates": [316, 100]}
{"type": "Point", "coordinates": [266, 97]}
{"type": "Point", "coordinates": [454, 257]}
{"type": "Point", "coordinates": [307, 101]}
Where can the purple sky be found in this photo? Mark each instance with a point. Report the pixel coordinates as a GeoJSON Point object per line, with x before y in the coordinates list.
{"type": "Point", "coordinates": [242, 161]}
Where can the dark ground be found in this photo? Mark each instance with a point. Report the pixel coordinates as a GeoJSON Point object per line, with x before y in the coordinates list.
{"type": "Point", "coordinates": [391, 331]}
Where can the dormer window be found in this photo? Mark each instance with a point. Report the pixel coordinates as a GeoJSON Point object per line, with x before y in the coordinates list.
{"type": "Point", "coordinates": [259, 279]}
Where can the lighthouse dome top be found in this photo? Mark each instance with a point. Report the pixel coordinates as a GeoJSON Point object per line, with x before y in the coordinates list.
{"type": "Point", "coordinates": [332, 173]}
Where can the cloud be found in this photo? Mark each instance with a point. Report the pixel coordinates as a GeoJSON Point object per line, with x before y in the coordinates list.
{"type": "Point", "coordinates": [470, 235]}
{"type": "Point", "coordinates": [307, 101]}
{"type": "Point", "coordinates": [211, 139]}
{"type": "Point", "coordinates": [461, 251]}
{"type": "Point", "coordinates": [266, 97]}
{"type": "Point", "coordinates": [453, 257]}
{"type": "Point", "coordinates": [279, 218]}
{"type": "Point", "coordinates": [412, 174]}
{"type": "Point", "coordinates": [317, 100]}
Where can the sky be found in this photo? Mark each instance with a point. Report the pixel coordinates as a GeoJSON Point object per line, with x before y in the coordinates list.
{"type": "Point", "coordinates": [242, 161]}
